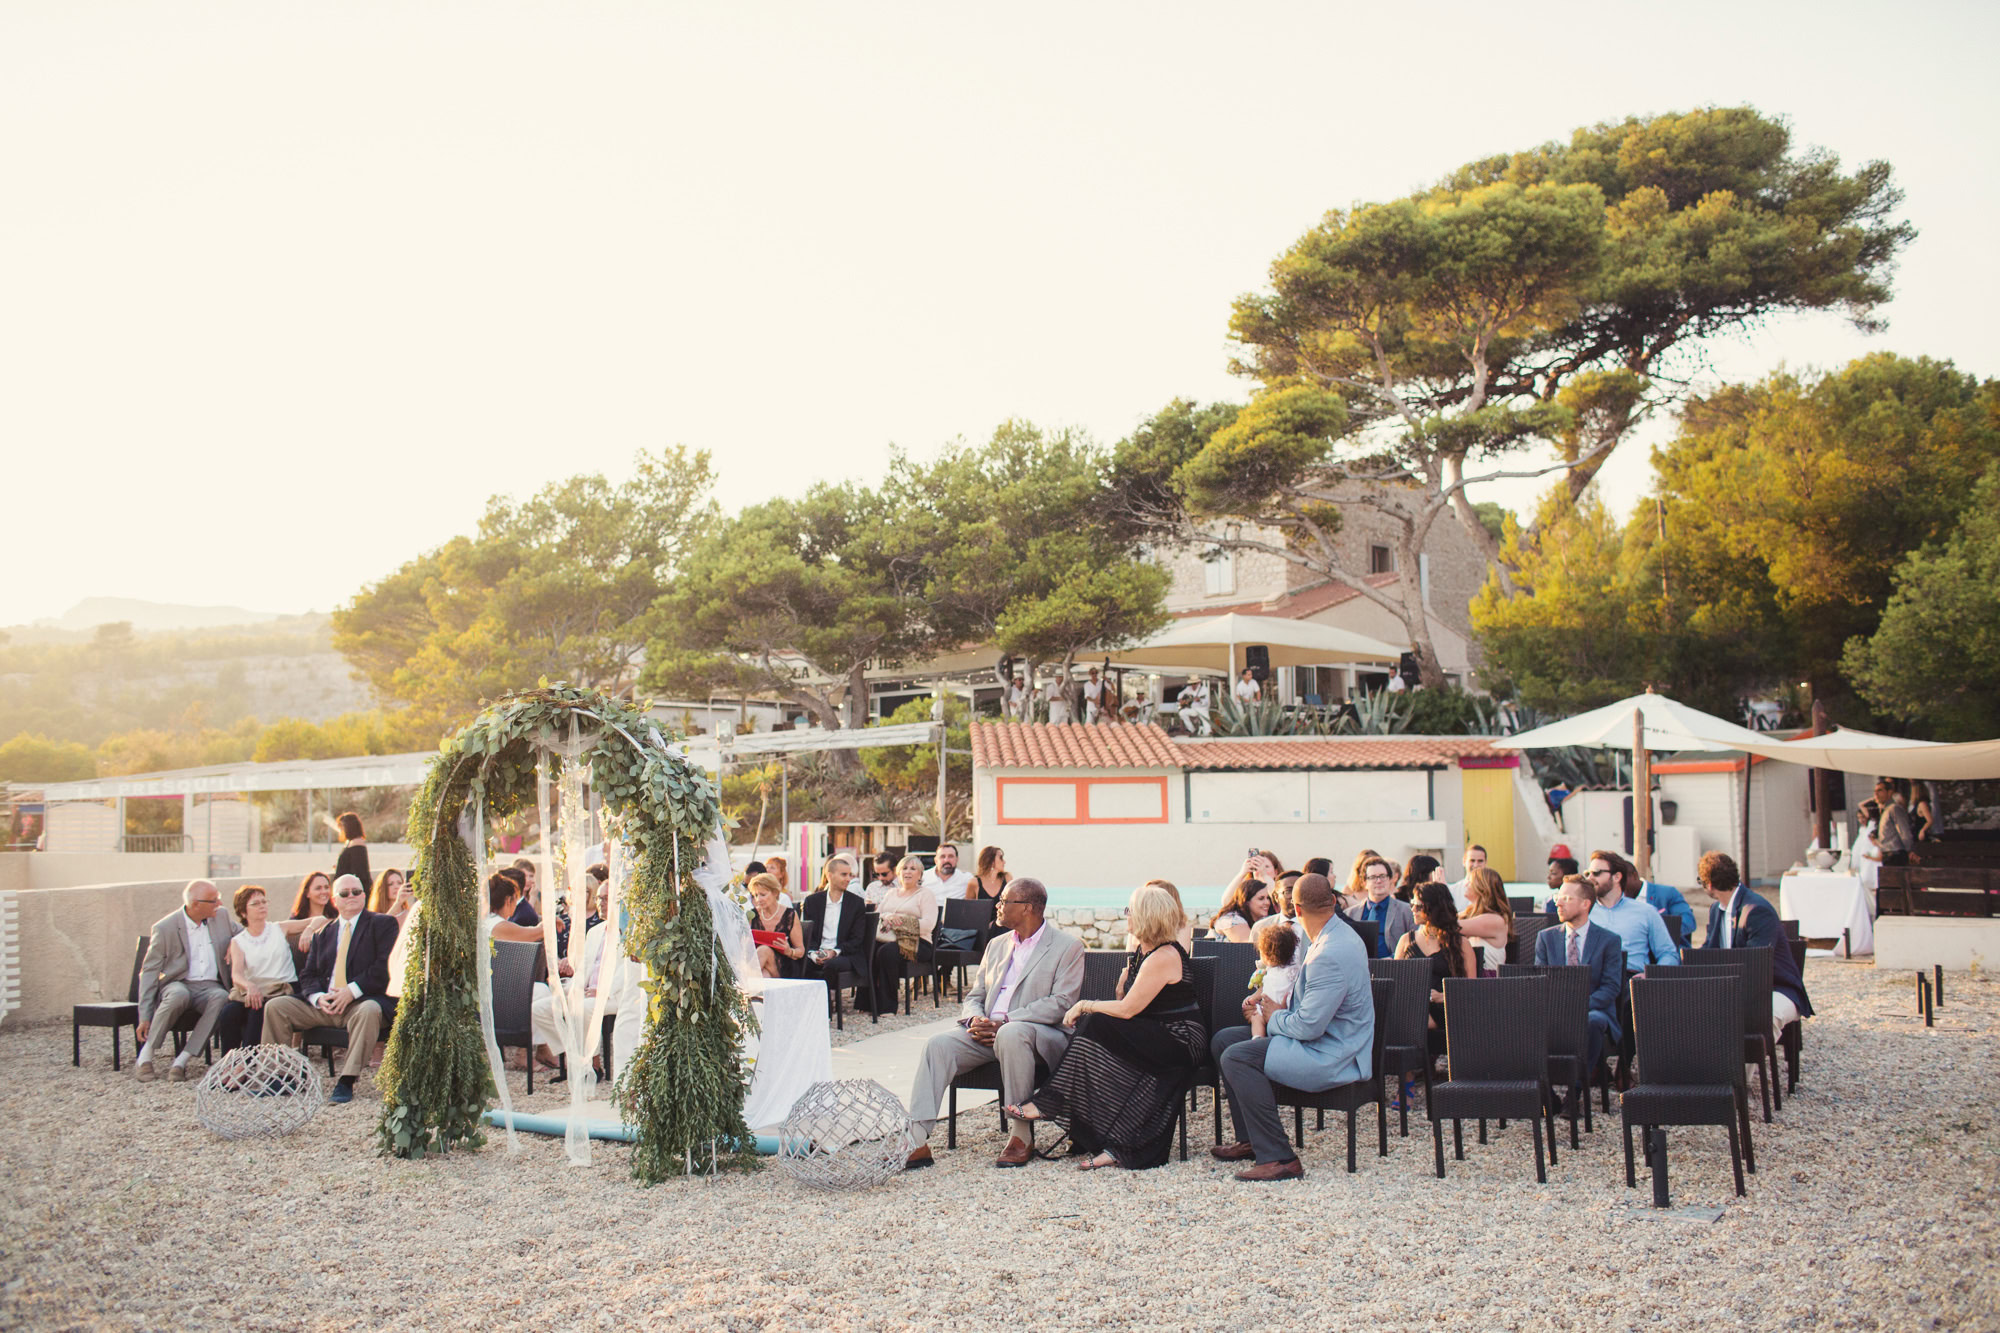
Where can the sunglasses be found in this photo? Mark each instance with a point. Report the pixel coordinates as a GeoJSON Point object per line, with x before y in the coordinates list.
{"type": "Point", "coordinates": [352, 893]}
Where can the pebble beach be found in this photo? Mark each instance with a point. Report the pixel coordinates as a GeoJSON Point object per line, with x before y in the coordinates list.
{"type": "Point", "coordinates": [1874, 1209]}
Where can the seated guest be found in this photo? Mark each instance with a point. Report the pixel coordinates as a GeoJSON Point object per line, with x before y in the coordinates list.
{"type": "Point", "coordinates": [1639, 928]}
{"type": "Point", "coordinates": [1662, 898]}
{"type": "Point", "coordinates": [1118, 1088]}
{"type": "Point", "coordinates": [186, 968]}
{"type": "Point", "coordinates": [581, 992]}
{"type": "Point", "coordinates": [905, 921]}
{"type": "Point", "coordinates": [392, 896]}
{"type": "Point", "coordinates": [260, 963]}
{"type": "Point", "coordinates": [1030, 977]}
{"type": "Point", "coordinates": [1247, 901]}
{"type": "Point", "coordinates": [834, 921]}
{"type": "Point", "coordinates": [1488, 918]}
{"type": "Point", "coordinates": [312, 909]}
{"type": "Point", "coordinates": [1185, 939]}
{"type": "Point", "coordinates": [990, 875]}
{"type": "Point", "coordinates": [779, 869]}
{"type": "Point", "coordinates": [769, 913]}
{"type": "Point", "coordinates": [528, 911]}
{"type": "Point", "coordinates": [1579, 943]}
{"type": "Point", "coordinates": [344, 984]}
{"type": "Point", "coordinates": [1475, 859]}
{"type": "Point", "coordinates": [1740, 919]}
{"type": "Point", "coordinates": [503, 896]}
{"type": "Point", "coordinates": [1380, 904]}
{"type": "Point", "coordinates": [882, 881]}
{"type": "Point", "coordinates": [1421, 870]}
{"type": "Point", "coordinates": [1561, 866]}
{"type": "Point", "coordinates": [1321, 1040]}
{"type": "Point", "coordinates": [594, 896]}
{"type": "Point", "coordinates": [1356, 891]}
{"type": "Point", "coordinates": [1278, 970]}
{"type": "Point", "coordinates": [1438, 938]}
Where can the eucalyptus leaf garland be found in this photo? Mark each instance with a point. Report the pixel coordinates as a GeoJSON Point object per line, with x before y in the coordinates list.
{"type": "Point", "coordinates": [683, 1089]}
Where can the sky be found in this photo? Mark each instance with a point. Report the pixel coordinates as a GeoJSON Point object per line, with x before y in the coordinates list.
{"type": "Point", "coordinates": [287, 290]}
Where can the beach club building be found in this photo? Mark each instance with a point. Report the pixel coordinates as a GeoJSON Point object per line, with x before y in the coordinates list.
{"type": "Point", "coordinates": [1092, 810]}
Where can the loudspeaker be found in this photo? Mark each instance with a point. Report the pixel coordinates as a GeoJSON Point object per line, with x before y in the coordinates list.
{"type": "Point", "coordinates": [1406, 667]}
{"type": "Point", "coordinates": [1257, 657]}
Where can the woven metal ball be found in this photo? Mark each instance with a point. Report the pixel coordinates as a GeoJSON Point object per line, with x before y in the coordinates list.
{"type": "Point", "coordinates": [852, 1134]}
{"type": "Point", "coordinates": [259, 1092]}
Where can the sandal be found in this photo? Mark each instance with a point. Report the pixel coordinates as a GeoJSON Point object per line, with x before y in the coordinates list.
{"type": "Point", "coordinates": [1018, 1114]}
{"type": "Point", "coordinates": [1097, 1163]}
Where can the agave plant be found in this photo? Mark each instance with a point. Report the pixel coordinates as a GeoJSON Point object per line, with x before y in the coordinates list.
{"type": "Point", "coordinates": [1264, 717]}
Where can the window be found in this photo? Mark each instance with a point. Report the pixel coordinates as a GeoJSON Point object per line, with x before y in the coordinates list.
{"type": "Point", "coordinates": [1219, 570]}
{"type": "Point", "coordinates": [1381, 560]}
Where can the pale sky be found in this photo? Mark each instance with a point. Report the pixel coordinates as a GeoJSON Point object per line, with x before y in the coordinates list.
{"type": "Point", "coordinates": [287, 290]}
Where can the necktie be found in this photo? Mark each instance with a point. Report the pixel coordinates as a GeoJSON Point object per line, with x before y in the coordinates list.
{"type": "Point", "coordinates": [340, 956]}
{"type": "Point", "coordinates": [1575, 955]}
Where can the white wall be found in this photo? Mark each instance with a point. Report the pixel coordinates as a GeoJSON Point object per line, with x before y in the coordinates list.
{"type": "Point", "coordinates": [1780, 822]}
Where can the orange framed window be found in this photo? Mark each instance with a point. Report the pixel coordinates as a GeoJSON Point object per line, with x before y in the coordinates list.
{"type": "Point", "coordinates": [1080, 800]}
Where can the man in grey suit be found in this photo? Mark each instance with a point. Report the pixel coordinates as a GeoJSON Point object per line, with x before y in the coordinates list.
{"type": "Point", "coordinates": [186, 967]}
{"type": "Point", "coordinates": [1322, 1040]}
{"type": "Point", "coordinates": [1383, 907]}
{"type": "Point", "coordinates": [1032, 973]}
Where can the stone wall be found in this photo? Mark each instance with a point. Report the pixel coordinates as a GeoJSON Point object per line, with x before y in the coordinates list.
{"type": "Point", "coordinates": [1104, 927]}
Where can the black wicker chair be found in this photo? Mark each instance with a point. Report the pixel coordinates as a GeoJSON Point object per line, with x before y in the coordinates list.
{"type": "Point", "coordinates": [1497, 1033]}
{"type": "Point", "coordinates": [514, 964]}
{"type": "Point", "coordinates": [1792, 1035]}
{"type": "Point", "coordinates": [1101, 969]}
{"type": "Point", "coordinates": [1370, 933]}
{"type": "Point", "coordinates": [113, 1014]}
{"type": "Point", "coordinates": [861, 974]}
{"type": "Point", "coordinates": [1348, 1097]}
{"type": "Point", "coordinates": [1407, 1048]}
{"type": "Point", "coordinates": [1690, 1067]}
{"type": "Point", "coordinates": [961, 914]}
{"type": "Point", "coordinates": [1760, 1041]}
{"type": "Point", "coordinates": [1235, 964]}
{"type": "Point", "coordinates": [1527, 929]}
{"type": "Point", "coordinates": [1674, 931]}
{"type": "Point", "coordinates": [1569, 1037]}
{"type": "Point", "coordinates": [1524, 906]}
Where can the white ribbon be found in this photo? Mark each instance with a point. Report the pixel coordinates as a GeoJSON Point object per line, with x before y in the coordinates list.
{"type": "Point", "coordinates": [482, 948]}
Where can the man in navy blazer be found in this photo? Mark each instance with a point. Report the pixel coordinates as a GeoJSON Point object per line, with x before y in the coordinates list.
{"type": "Point", "coordinates": [1578, 943]}
{"type": "Point", "coordinates": [345, 983]}
{"type": "Point", "coordinates": [1742, 920]}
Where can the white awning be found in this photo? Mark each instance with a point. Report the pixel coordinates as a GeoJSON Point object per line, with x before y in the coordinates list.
{"type": "Point", "coordinates": [1216, 644]}
{"type": "Point", "coordinates": [1669, 726]}
{"type": "Point", "coordinates": [374, 770]}
{"type": "Point", "coordinates": [1887, 756]}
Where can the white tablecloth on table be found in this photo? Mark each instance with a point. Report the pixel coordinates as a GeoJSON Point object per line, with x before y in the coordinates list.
{"type": "Point", "coordinates": [1825, 905]}
{"type": "Point", "coordinates": [793, 1053]}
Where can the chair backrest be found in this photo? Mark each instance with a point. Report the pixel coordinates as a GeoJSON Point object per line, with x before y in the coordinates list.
{"type": "Point", "coordinates": [138, 961]}
{"type": "Point", "coordinates": [1527, 929]}
{"type": "Point", "coordinates": [1235, 964]}
{"type": "Point", "coordinates": [1799, 956]}
{"type": "Point", "coordinates": [1497, 1030]}
{"type": "Point", "coordinates": [1755, 967]}
{"type": "Point", "coordinates": [1674, 930]}
{"type": "Point", "coordinates": [1383, 991]}
{"type": "Point", "coordinates": [1101, 970]}
{"type": "Point", "coordinates": [1569, 1005]}
{"type": "Point", "coordinates": [1370, 933]}
{"type": "Point", "coordinates": [968, 913]}
{"type": "Point", "coordinates": [1682, 1029]}
{"type": "Point", "coordinates": [1204, 986]}
{"type": "Point", "coordinates": [1523, 906]}
{"type": "Point", "coordinates": [514, 986]}
{"type": "Point", "coordinates": [1409, 1005]}
{"type": "Point", "coordinates": [1791, 929]}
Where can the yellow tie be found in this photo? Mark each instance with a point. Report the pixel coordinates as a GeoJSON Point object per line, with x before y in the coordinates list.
{"type": "Point", "coordinates": [340, 957]}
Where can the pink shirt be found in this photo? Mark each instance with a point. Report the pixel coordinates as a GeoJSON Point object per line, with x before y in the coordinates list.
{"type": "Point", "coordinates": [1017, 967]}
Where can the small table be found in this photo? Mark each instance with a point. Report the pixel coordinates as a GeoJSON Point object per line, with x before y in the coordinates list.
{"type": "Point", "coordinates": [793, 1053]}
{"type": "Point", "coordinates": [1827, 906]}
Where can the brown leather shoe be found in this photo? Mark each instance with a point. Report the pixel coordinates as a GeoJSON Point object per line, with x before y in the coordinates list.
{"type": "Point", "coordinates": [919, 1159]}
{"type": "Point", "coordinates": [1291, 1170]}
{"type": "Point", "coordinates": [145, 1072]}
{"type": "Point", "coordinates": [177, 1073]}
{"type": "Point", "coordinates": [1016, 1154]}
{"type": "Point", "coordinates": [1232, 1152]}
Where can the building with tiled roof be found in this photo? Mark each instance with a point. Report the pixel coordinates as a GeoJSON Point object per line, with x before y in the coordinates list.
{"type": "Point", "coordinates": [1042, 745]}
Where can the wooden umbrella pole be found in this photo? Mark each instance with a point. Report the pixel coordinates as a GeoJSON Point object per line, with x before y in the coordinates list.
{"type": "Point", "coordinates": [1743, 828]}
{"type": "Point", "coordinates": [1642, 797]}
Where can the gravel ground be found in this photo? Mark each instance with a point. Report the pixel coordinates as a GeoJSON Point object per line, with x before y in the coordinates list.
{"type": "Point", "coordinates": [1874, 1209]}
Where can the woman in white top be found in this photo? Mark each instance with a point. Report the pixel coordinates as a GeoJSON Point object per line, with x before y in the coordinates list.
{"type": "Point", "coordinates": [260, 965]}
{"type": "Point", "coordinates": [1488, 920]}
{"type": "Point", "coordinates": [503, 895]}
{"type": "Point", "coordinates": [912, 909]}
{"type": "Point", "coordinates": [1865, 860]}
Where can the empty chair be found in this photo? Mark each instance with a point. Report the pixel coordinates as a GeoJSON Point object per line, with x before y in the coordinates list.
{"type": "Point", "coordinates": [1497, 1035]}
{"type": "Point", "coordinates": [1523, 906]}
{"type": "Point", "coordinates": [1760, 1045]}
{"type": "Point", "coordinates": [961, 914]}
{"type": "Point", "coordinates": [1406, 1046]}
{"type": "Point", "coordinates": [514, 964]}
{"type": "Point", "coordinates": [1348, 1097]}
{"type": "Point", "coordinates": [1235, 964]}
{"type": "Point", "coordinates": [1690, 1063]}
{"type": "Point", "coordinates": [113, 1014]}
{"type": "Point", "coordinates": [1569, 1035]}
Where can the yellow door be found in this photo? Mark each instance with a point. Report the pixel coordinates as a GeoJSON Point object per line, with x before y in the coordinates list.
{"type": "Point", "coordinates": [1489, 815]}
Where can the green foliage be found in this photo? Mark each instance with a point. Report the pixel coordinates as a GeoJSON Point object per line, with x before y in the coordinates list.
{"type": "Point", "coordinates": [684, 1087]}
{"type": "Point", "coordinates": [555, 586]}
{"type": "Point", "coordinates": [1934, 660]}
{"type": "Point", "coordinates": [914, 767]}
{"type": "Point", "coordinates": [38, 759]}
{"type": "Point", "coordinates": [349, 734]}
{"type": "Point", "coordinates": [1448, 711]}
{"type": "Point", "coordinates": [1265, 717]}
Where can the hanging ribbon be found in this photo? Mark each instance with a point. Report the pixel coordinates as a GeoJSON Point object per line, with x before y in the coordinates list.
{"type": "Point", "coordinates": [482, 948]}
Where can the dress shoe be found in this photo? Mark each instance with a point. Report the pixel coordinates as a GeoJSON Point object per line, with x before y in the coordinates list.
{"type": "Point", "coordinates": [1232, 1152]}
{"type": "Point", "coordinates": [1016, 1153]}
{"type": "Point", "coordinates": [177, 1073]}
{"type": "Point", "coordinates": [144, 1071]}
{"type": "Point", "coordinates": [341, 1093]}
{"type": "Point", "coordinates": [1291, 1170]}
{"type": "Point", "coordinates": [919, 1159]}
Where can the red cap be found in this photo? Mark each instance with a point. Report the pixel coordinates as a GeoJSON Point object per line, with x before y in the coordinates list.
{"type": "Point", "coordinates": [1560, 850]}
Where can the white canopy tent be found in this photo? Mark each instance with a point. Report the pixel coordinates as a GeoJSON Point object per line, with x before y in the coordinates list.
{"type": "Point", "coordinates": [1886, 756]}
{"type": "Point", "coordinates": [1215, 644]}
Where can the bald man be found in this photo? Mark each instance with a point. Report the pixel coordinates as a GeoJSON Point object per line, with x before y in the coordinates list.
{"type": "Point", "coordinates": [186, 967]}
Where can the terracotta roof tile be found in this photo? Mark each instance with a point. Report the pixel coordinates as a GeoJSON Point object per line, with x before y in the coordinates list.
{"type": "Point", "coordinates": [1343, 752]}
{"type": "Point", "coordinates": [1039, 745]}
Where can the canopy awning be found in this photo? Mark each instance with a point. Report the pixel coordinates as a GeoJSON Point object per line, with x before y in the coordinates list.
{"type": "Point", "coordinates": [1669, 726]}
{"type": "Point", "coordinates": [370, 770]}
{"type": "Point", "coordinates": [1886, 756]}
{"type": "Point", "coordinates": [1216, 644]}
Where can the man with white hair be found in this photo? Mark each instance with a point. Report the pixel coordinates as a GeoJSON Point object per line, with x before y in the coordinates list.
{"type": "Point", "coordinates": [186, 967]}
{"type": "Point", "coordinates": [344, 983]}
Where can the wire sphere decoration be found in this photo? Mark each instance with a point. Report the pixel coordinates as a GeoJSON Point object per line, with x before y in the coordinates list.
{"type": "Point", "coordinates": [259, 1092]}
{"type": "Point", "coordinates": [849, 1134]}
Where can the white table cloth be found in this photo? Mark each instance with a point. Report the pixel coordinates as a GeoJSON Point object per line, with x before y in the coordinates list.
{"type": "Point", "coordinates": [793, 1053]}
{"type": "Point", "coordinates": [1827, 905]}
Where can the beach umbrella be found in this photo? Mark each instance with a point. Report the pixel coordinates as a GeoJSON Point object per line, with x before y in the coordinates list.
{"type": "Point", "coordinates": [1215, 644]}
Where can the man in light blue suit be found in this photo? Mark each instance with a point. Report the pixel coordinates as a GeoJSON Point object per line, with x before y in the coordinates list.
{"type": "Point", "coordinates": [1321, 1041]}
{"type": "Point", "coordinates": [1578, 943]}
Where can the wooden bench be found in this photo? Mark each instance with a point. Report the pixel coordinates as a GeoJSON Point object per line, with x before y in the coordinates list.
{"type": "Point", "coordinates": [1928, 890]}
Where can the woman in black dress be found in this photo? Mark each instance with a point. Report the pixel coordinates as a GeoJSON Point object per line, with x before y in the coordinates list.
{"type": "Point", "coordinates": [1119, 1087]}
{"type": "Point", "coordinates": [1438, 938]}
{"type": "Point", "coordinates": [990, 876]}
{"type": "Point", "coordinates": [353, 858]}
{"type": "Point", "coordinates": [769, 912]}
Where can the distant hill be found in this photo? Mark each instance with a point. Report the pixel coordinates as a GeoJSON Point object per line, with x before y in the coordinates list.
{"type": "Point", "coordinates": [147, 617]}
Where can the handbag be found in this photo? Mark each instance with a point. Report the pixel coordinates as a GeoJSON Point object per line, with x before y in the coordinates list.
{"type": "Point", "coordinates": [964, 939]}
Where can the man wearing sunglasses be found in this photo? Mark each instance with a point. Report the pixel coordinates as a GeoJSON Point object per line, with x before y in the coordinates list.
{"type": "Point", "coordinates": [345, 983]}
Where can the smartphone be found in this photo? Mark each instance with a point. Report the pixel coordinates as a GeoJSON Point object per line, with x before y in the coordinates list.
{"type": "Point", "coordinates": [1254, 853]}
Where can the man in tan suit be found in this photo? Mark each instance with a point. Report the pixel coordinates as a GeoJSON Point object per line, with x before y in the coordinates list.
{"type": "Point", "coordinates": [1032, 973]}
{"type": "Point", "coordinates": [186, 967]}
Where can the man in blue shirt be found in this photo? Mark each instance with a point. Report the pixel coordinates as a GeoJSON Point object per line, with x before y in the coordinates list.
{"type": "Point", "coordinates": [1662, 898]}
{"type": "Point", "coordinates": [1640, 929]}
